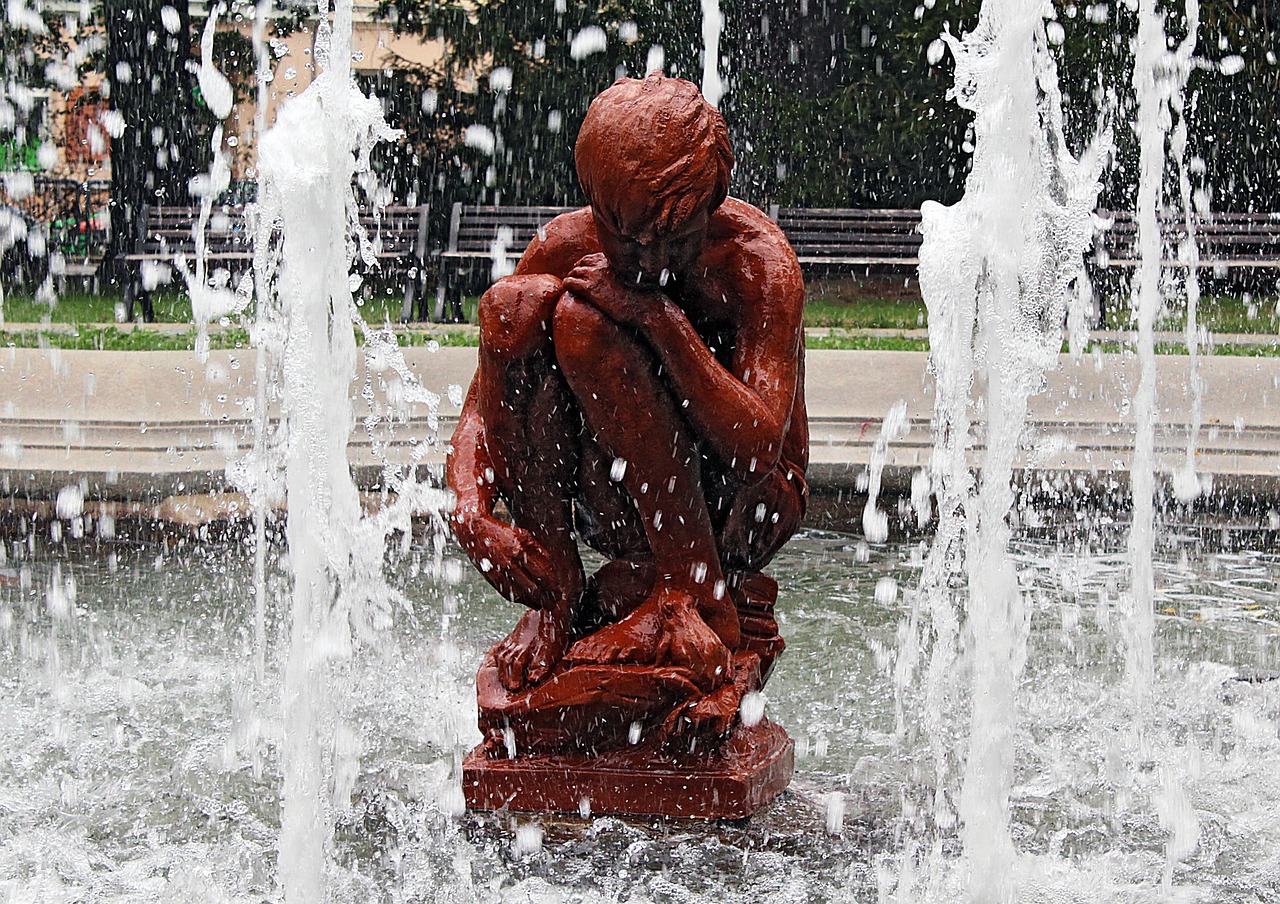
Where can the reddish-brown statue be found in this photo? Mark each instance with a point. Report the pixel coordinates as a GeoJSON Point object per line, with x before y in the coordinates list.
{"type": "Point", "coordinates": [640, 391]}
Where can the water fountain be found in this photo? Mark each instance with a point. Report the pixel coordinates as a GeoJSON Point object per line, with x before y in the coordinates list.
{"type": "Point", "coordinates": [149, 759]}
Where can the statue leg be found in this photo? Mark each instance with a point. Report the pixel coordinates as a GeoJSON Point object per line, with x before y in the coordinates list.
{"type": "Point", "coordinates": [532, 431]}
{"type": "Point", "coordinates": [629, 412]}
{"type": "Point", "coordinates": [757, 520]}
{"type": "Point", "coordinates": [754, 521]}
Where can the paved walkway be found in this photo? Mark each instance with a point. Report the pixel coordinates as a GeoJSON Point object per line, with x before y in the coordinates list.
{"type": "Point", "coordinates": [149, 425]}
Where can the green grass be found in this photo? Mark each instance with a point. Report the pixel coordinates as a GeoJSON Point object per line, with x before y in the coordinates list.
{"type": "Point", "coordinates": [835, 307]}
{"type": "Point", "coordinates": [1218, 313]}
{"type": "Point", "coordinates": [170, 307]}
{"type": "Point", "coordinates": [174, 307]}
{"type": "Point", "coordinates": [866, 343]}
{"type": "Point", "coordinates": [875, 313]}
{"type": "Point", "coordinates": [112, 339]}
{"type": "Point", "coordinates": [85, 307]}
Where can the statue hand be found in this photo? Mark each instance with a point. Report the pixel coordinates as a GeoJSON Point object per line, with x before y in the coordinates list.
{"type": "Point", "coordinates": [594, 282]}
{"type": "Point", "coordinates": [511, 560]}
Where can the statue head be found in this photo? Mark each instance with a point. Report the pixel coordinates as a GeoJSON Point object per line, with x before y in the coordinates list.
{"type": "Point", "coordinates": [654, 160]}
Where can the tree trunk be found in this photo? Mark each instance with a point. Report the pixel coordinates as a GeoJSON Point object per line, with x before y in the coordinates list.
{"type": "Point", "coordinates": [164, 142]}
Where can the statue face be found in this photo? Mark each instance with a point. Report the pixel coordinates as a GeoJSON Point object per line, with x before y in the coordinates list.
{"type": "Point", "coordinates": [641, 254]}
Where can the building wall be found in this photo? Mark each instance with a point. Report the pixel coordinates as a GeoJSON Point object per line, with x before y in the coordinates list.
{"type": "Point", "coordinates": [73, 127]}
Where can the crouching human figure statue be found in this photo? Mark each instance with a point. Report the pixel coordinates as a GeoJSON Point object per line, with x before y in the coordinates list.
{"type": "Point", "coordinates": [640, 391]}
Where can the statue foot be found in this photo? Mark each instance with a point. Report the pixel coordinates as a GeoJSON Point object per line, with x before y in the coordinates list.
{"type": "Point", "coordinates": [703, 722]}
{"type": "Point", "coordinates": [709, 718]}
{"type": "Point", "coordinates": [664, 630]}
{"type": "Point", "coordinates": [529, 653]}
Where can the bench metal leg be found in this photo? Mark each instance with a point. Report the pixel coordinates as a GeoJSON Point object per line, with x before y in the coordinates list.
{"type": "Point", "coordinates": [415, 307]}
{"type": "Point", "coordinates": [448, 307]}
{"type": "Point", "coordinates": [136, 295]}
{"type": "Point", "coordinates": [437, 314]}
{"type": "Point", "coordinates": [148, 312]}
{"type": "Point", "coordinates": [410, 296]}
{"type": "Point", "coordinates": [130, 295]}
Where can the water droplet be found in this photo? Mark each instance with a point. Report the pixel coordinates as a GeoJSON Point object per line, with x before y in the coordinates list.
{"type": "Point", "coordinates": [528, 839]}
{"type": "Point", "coordinates": [1231, 65]}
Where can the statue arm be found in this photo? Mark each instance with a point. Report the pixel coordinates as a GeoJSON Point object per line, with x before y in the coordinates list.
{"type": "Point", "coordinates": [510, 559]}
{"type": "Point", "coordinates": [741, 412]}
{"type": "Point", "coordinates": [466, 468]}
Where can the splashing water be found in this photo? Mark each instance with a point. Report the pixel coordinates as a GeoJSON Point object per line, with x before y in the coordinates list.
{"type": "Point", "coordinates": [996, 270]}
{"type": "Point", "coordinates": [307, 319]}
{"type": "Point", "coordinates": [712, 25]}
{"type": "Point", "coordinates": [210, 302]}
{"type": "Point", "coordinates": [1158, 80]}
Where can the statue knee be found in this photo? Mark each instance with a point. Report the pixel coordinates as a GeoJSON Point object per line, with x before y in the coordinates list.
{"type": "Point", "coordinates": [516, 313]}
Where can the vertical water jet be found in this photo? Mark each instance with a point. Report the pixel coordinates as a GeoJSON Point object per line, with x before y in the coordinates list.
{"type": "Point", "coordinates": [996, 270]}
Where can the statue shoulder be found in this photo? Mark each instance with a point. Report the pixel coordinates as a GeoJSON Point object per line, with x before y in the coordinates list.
{"type": "Point", "coordinates": [560, 244]}
{"type": "Point", "coordinates": [749, 249]}
{"type": "Point", "coordinates": [750, 228]}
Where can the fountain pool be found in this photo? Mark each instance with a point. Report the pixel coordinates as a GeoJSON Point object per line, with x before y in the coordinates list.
{"type": "Point", "coordinates": [141, 755]}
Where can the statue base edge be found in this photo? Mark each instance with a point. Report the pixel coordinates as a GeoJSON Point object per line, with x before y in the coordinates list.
{"type": "Point", "coordinates": [749, 771]}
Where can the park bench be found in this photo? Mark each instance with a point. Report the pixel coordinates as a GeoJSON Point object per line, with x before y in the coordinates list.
{"type": "Point", "coordinates": [167, 232]}
{"type": "Point", "coordinates": [830, 237]}
{"type": "Point", "coordinates": [1226, 241]}
{"type": "Point", "coordinates": [851, 238]}
{"type": "Point", "coordinates": [68, 216]}
{"type": "Point", "coordinates": [483, 234]}
{"type": "Point", "coordinates": [857, 239]}
{"type": "Point", "coordinates": [883, 238]}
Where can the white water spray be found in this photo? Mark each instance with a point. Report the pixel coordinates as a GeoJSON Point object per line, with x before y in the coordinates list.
{"type": "Point", "coordinates": [210, 302]}
{"type": "Point", "coordinates": [712, 25]}
{"type": "Point", "coordinates": [1158, 79]}
{"type": "Point", "coordinates": [308, 161]}
{"type": "Point", "coordinates": [996, 272]}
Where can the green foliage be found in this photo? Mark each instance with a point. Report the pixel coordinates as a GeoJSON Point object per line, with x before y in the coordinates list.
{"type": "Point", "coordinates": [1231, 117]}
{"type": "Point", "coordinates": [830, 102]}
{"type": "Point", "coordinates": [833, 107]}
{"type": "Point", "coordinates": [509, 76]}
{"type": "Point", "coordinates": [29, 42]}
{"type": "Point", "coordinates": [839, 107]}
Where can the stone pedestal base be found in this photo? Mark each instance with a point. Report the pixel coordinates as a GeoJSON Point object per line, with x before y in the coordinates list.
{"type": "Point", "coordinates": [749, 770]}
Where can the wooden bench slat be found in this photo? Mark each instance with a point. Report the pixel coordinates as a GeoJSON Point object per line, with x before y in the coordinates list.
{"type": "Point", "coordinates": [396, 234]}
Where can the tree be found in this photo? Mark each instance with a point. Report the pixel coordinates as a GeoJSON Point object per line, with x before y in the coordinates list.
{"type": "Point", "coordinates": [833, 103]}
{"type": "Point", "coordinates": [160, 138]}
{"type": "Point", "coordinates": [829, 102]}
{"type": "Point", "coordinates": [499, 111]}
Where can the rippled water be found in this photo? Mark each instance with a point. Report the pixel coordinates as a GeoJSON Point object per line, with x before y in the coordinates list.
{"type": "Point", "coordinates": [138, 758]}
